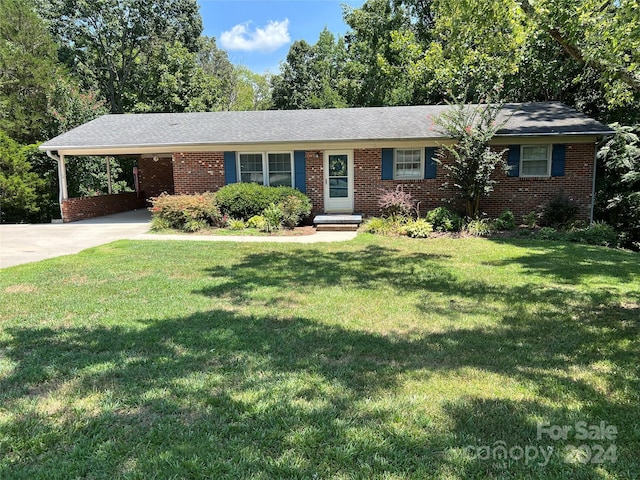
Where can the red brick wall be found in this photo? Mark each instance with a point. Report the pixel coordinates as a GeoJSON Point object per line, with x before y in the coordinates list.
{"type": "Point", "coordinates": [155, 177]}
{"type": "Point", "coordinates": [198, 172]}
{"type": "Point", "coordinates": [520, 195]}
{"type": "Point", "coordinates": [75, 209]}
{"type": "Point", "coordinates": [315, 179]}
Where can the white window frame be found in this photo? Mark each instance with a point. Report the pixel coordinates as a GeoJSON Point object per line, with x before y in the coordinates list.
{"type": "Point", "coordinates": [265, 165]}
{"type": "Point", "coordinates": [522, 161]}
{"type": "Point", "coordinates": [420, 175]}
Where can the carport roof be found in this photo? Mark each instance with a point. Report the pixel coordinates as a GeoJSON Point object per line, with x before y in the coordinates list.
{"type": "Point", "coordinates": [170, 131]}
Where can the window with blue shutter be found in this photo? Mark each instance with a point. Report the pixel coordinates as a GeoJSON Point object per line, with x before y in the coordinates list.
{"type": "Point", "coordinates": [230, 173]}
{"type": "Point", "coordinates": [558, 155]}
{"type": "Point", "coordinates": [513, 161]}
{"type": "Point", "coordinates": [300, 168]}
{"type": "Point", "coordinates": [387, 164]}
{"type": "Point", "coordinates": [430, 164]}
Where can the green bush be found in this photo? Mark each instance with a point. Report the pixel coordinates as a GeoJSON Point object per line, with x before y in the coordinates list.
{"type": "Point", "coordinates": [236, 224]}
{"type": "Point", "coordinates": [272, 217]}
{"type": "Point", "coordinates": [185, 212]}
{"type": "Point", "coordinates": [597, 234]}
{"type": "Point", "coordinates": [559, 211]}
{"type": "Point", "coordinates": [419, 228]}
{"type": "Point", "coordinates": [257, 221]}
{"type": "Point", "coordinates": [443, 220]}
{"type": "Point", "coordinates": [384, 226]}
{"type": "Point", "coordinates": [245, 200]}
{"type": "Point", "coordinates": [479, 227]}
{"type": "Point", "coordinates": [506, 221]}
{"type": "Point", "coordinates": [294, 209]}
{"type": "Point", "coordinates": [549, 233]}
{"type": "Point", "coordinates": [530, 219]}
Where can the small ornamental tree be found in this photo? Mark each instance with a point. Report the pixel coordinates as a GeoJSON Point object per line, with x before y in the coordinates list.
{"type": "Point", "coordinates": [473, 161]}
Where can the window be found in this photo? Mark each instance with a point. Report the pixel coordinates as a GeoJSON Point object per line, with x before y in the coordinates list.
{"type": "Point", "coordinates": [280, 169]}
{"type": "Point", "coordinates": [535, 161]}
{"type": "Point", "coordinates": [277, 170]}
{"type": "Point", "coordinates": [407, 164]}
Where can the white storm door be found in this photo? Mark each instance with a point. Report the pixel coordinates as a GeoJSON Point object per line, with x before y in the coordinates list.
{"type": "Point", "coordinates": [338, 181]}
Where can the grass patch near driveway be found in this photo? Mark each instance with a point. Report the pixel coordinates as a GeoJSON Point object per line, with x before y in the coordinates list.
{"type": "Point", "coordinates": [378, 358]}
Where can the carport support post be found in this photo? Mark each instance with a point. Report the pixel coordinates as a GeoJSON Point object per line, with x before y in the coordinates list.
{"type": "Point", "coordinates": [62, 179]}
{"type": "Point", "coordinates": [109, 175]}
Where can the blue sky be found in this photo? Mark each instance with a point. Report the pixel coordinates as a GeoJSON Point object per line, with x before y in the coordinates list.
{"type": "Point", "coordinates": [258, 33]}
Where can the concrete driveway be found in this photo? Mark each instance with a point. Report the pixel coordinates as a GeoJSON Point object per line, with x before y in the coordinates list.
{"type": "Point", "coordinates": [31, 243]}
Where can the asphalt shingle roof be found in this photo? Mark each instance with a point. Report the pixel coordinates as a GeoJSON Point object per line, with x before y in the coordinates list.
{"type": "Point", "coordinates": [300, 126]}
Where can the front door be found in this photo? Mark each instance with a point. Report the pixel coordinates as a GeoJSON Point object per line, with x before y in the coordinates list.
{"type": "Point", "coordinates": [338, 182]}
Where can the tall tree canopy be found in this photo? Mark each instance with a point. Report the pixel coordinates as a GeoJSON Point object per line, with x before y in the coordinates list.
{"type": "Point", "coordinates": [113, 43]}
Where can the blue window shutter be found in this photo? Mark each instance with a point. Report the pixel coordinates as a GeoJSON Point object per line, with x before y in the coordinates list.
{"type": "Point", "coordinates": [230, 173]}
{"type": "Point", "coordinates": [387, 164]}
{"type": "Point", "coordinates": [430, 164]}
{"type": "Point", "coordinates": [557, 160]}
{"type": "Point", "coordinates": [300, 167]}
{"type": "Point", "coordinates": [513, 161]}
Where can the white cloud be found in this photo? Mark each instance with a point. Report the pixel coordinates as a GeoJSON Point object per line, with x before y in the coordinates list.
{"type": "Point", "coordinates": [267, 39]}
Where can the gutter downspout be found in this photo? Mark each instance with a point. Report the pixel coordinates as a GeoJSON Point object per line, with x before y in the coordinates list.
{"type": "Point", "coordinates": [62, 179]}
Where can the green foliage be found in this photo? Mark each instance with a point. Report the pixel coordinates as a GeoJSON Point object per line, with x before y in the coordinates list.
{"type": "Point", "coordinates": [294, 208]}
{"type": "Point", "coordinates": [549, 233]}
{"type": "Point", "coordinates": [257, 221]}
{"type": "Point", "coordinates": [618, 198]}
{"type": "Point", "coordinates": [273, 216]}
{"type": "Point", "coordinates": [236, 224]}
{"type": "Point", "coordinates": [443, 220]}
{"type": "Point", "coordinates": [597, 234]}
{"type": "Point", "coordinates": [244, 200]}
{"type": "Point", "coordinates": [189, 213]}
{"type": "Point", "coordinates": [418, 228]}
{"type": "Point", "coordinates": [396, 203]}
{"type": "Point", "coordinates": [389, 226]}
{"type": "Point", "coordinates": [472, 159]}
{"type": "Point", "coordinates": [559, 211]}
{"type": "Point", "coordinates": [28, 72]}
{"type": "Point", "coordinates": [506, 221]}
{"type": "Point", "coordinates": [531, 219]}
{"type": "Point", "coordinates": [19, 186]}
{"type": "Point", "coordinates": [479, 227]}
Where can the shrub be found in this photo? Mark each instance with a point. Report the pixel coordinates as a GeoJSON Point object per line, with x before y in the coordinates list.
{"type": "Point", "coordinates": [245, 200]}
{"type": "Point", "coordinates": [294, 208]}
{"type": "Point", "coordinates": [530, 219]}
{"type": "Point", "coordinates": [443, 220]}
{"type": "Point", "coordinates": [236, 224]}
{"type": "Point", "coordinates": [186, 212]}
{"type": "Point", "coordinates": [506, 221]}
{"type": "Point", "coordinates": [272, 218]}
{"type": "Point", "coordinates": [559, 211]}
{"type": "Point", "coordinates": [549, 233]}
{"type": "Point", "coordinates": [384, 226]}
{"type": "Point", "coordinates": [396, 203]}
{"type": "Point", "coordinates": [478, 227]}
{"type": "Point", "coordinates": [419, 228]}
{"type": "Point", "coordinates": [257, 221]}
{"type": "Point", "coordinates": [597, 234]}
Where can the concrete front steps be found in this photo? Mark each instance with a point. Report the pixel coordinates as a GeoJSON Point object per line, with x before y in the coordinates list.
{"type": "Point", "coordinates": [332, 222]}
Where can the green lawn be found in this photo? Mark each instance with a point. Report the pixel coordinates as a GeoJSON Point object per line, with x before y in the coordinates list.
{"type": "Point", "coordinates": [377, 358]}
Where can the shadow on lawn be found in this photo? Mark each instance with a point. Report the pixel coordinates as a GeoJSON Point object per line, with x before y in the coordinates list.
{"type": "Point", "coordinates": [222, 395]}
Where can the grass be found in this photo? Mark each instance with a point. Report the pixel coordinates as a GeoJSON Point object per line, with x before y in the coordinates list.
{"type": "Point", "coordinates": [378, 358]}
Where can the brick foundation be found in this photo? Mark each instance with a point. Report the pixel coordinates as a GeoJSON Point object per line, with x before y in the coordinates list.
{"type": "Point", "coordinates": [75, 209]}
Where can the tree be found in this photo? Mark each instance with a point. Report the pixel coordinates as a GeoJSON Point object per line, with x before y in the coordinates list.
{"type": "Point", "coordinates": [216, 65]}
{"type": "Point", "coordinates": [618, 198]}
{"type": "Point", "coordinates": [28, 72]}
{"type": "Point", "coordinates": [109, 43]}
{"type": "Point", "coordinates": [19, 186]}
{"type": "Point", "coordinates": [470, 161]}
{"type": "Point", "coordinates": [252, 90]}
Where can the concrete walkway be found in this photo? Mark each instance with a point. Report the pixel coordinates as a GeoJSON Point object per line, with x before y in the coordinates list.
{"type": "Point", "coordinates": [27, 243]}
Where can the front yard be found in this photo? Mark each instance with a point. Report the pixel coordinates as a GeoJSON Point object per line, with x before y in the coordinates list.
{"type": "Point", "coordinates": [378, 358]}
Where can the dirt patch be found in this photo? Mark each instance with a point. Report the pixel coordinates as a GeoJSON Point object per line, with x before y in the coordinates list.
{"type": "Point", "coordinates": [20, 288]}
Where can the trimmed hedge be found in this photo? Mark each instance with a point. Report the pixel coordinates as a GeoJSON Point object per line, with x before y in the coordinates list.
{"type": "Point", "coordinates": [245, 200]}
